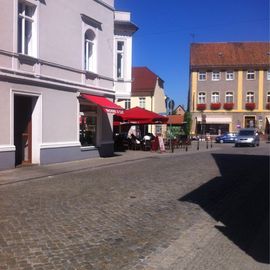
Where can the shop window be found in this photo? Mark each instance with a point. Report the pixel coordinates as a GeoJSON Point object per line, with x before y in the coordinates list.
{"type": "Point", "coordinates": [88, 130]}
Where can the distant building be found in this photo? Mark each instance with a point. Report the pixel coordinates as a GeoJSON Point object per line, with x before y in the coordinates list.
{"type": "Point", "coordinates": [179, 110]}
{"type": "Point", "coordinates": [229, 86]}
{"type": "Point", "coordinates": [58, 66]}
{"type": "Point", "coordinates": [147, 92]}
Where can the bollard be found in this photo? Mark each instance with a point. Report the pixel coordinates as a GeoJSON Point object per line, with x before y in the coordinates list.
{"type": "Point", "coordinates": [198, 144]}
{"type": "Point", "coordinates": [207, 144]}
{"type": "Point", "coordinates": [211, 143]}
{"type": "Point", "coordinates": [186, 147]}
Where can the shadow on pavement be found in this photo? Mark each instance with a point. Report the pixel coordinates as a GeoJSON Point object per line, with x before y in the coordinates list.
{"type": "Point", "coordinates": [239, 199]}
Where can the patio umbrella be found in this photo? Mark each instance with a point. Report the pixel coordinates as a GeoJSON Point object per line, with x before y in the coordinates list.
{"type": "Point", "coordinates": [139, 115]}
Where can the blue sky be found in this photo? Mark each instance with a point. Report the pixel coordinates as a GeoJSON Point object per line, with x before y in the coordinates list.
{"type": "Point", "coordinates": [168, 27]}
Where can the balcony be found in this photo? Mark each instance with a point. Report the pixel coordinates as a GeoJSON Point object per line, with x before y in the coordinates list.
{"type": "Point", "coordinates": [228, 105]}
{"type": "Point", "coordinates": [250, 106]}
{"type": "Point", "coordinates": [201, 107]}
{"type": "Point", "coordinates": [215, 106]}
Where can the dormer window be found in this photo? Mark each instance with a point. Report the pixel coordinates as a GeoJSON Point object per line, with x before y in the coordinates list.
{"type": "Point", "coordinates": [202, 76]}
{"type": "Point", "coordinates": [250, 75]}
{"type": "Point", "coordinates": [229, 75]}
{"type": "Point", "coordinates": [215, 76]}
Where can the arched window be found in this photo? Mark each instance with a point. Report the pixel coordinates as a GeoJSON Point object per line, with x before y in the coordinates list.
{"type": "Point", "coordinates": [229, 97]}
{"type": "Point", "coordinates": [250, 97]}
{"type": "Point", "coordinates": [90, 51]}
{"type": "Point", "coordinates": [215, 97]}
{"type": "Point", "coordinates": [201, 98]}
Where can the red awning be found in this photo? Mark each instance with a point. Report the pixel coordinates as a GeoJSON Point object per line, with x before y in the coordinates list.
{"type": "Point", "coordinates": [139, 115]}
{"type": "Point", "coordinates": [104, 103]}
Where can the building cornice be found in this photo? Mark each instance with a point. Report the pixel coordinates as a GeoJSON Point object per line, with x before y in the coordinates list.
{"type": "Point", "coordinates": [236, 67]}
{"type": "Point", "coordinates": [33, 60]}
{"type": "Point", "coordinates": [39, 80]}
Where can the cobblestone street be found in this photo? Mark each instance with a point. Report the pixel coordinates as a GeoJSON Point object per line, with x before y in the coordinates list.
{"type": "Point", "coordinates": [199, 210]}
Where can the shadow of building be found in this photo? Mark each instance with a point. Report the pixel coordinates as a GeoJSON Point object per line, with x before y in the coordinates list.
{"type": "Point", "coordinates": [239, 199]}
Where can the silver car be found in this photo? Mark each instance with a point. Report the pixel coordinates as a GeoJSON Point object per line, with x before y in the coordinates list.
{"type": "Point", "coordinates": [247, 136]}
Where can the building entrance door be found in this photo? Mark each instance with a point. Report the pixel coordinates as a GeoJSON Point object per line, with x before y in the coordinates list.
{"type": "Point", "coordinates": [249, 121]}
{"type": "Point", "coordinates": [23, 108]}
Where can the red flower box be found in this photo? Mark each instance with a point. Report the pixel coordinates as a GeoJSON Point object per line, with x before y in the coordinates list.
{"type": "Point", "coordinates": [201, 107]}
{"type": "Point", "coordinates": [250, 106]}
{"type": "Point", "coordinates": [215, 106]}
{"type": "Point", "coordinates": [268, 106]}
{"type": "Point", "coordinates": [228, 106]}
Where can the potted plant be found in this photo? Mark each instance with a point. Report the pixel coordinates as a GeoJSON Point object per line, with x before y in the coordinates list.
{"type": "Point", "coordinates": [250, 106]}
{"type": "Point", "coordinates": [228, 105]}
{"type": "Point", "coordinates": [201, 106]}
{"type": "Point", "coordinates": [215, 106]}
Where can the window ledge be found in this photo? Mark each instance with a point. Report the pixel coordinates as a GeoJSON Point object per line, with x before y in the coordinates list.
{"type": "Point", "coordinates": [25, 58]}
{"type": "Point", "coordinates": [90, 75]}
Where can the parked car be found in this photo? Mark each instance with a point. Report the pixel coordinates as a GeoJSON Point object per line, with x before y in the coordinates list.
{"type": "Point", "coordinates": [228, 137]}
{"type": "Point", "coordinates": [247, 136]}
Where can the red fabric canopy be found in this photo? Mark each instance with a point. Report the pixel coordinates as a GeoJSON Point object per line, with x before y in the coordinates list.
{"type": "Point", "coordinates": [139, 115]}
{"type": "Point", "coordinates": [103, 102]}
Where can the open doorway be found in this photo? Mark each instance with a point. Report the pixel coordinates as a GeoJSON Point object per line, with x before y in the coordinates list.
{"type": "Point", "coordinates": [23, 109]}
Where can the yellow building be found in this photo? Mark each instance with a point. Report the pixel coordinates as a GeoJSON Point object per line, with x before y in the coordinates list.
{"type": "Point", "coordinates": [229, 86]}
{"type": "Point", "coordinates": [148, 93]}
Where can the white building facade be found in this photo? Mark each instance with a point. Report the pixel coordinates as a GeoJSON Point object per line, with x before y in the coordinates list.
{"type": "Point", "coordinates": [57, 86]}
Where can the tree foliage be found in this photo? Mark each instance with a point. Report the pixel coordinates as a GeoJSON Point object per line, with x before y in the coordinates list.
{"type": "Point", "coordinates": [188, 123]}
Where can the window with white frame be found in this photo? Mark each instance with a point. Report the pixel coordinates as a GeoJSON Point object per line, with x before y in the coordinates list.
{"type": "Point", "coordinates": [127, 104]}
{"type": "Point", "coordinates": [229, 75]}
{"type": "Point", "coordinates": [268, 74]}
{"type": "Point", "coordinates": [26, 29]}
{"type": "Point", "coordinates": [250, 97]}
{"type": "Point", "coordinates": [229, 97]}
{"type": "Point", "coordinates": [120, 59]}
{"type": "Point", "coordinates": [142, 102]}
{"type": "Point", "coordinates": [250, 75]}
{"type": "Point", "coordinates": [201, 98]}
{"type": "Point", "coordinates": [202, 76]}
{"type": "Point", "coordinates": [90, 51]}
{"type": "Point", "coordinates": [215, 97]}
{"type": "Point", "coordinates": [215, 76]}
{"type": "Point", "coordinates": [268, 97]}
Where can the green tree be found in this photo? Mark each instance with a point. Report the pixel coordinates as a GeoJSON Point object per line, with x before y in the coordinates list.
{"type": "Point", "coordinates": [188, 123]}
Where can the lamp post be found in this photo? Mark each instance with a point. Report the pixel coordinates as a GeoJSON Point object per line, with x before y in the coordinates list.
{"type": "Point", "coordinates": [170, 107]}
